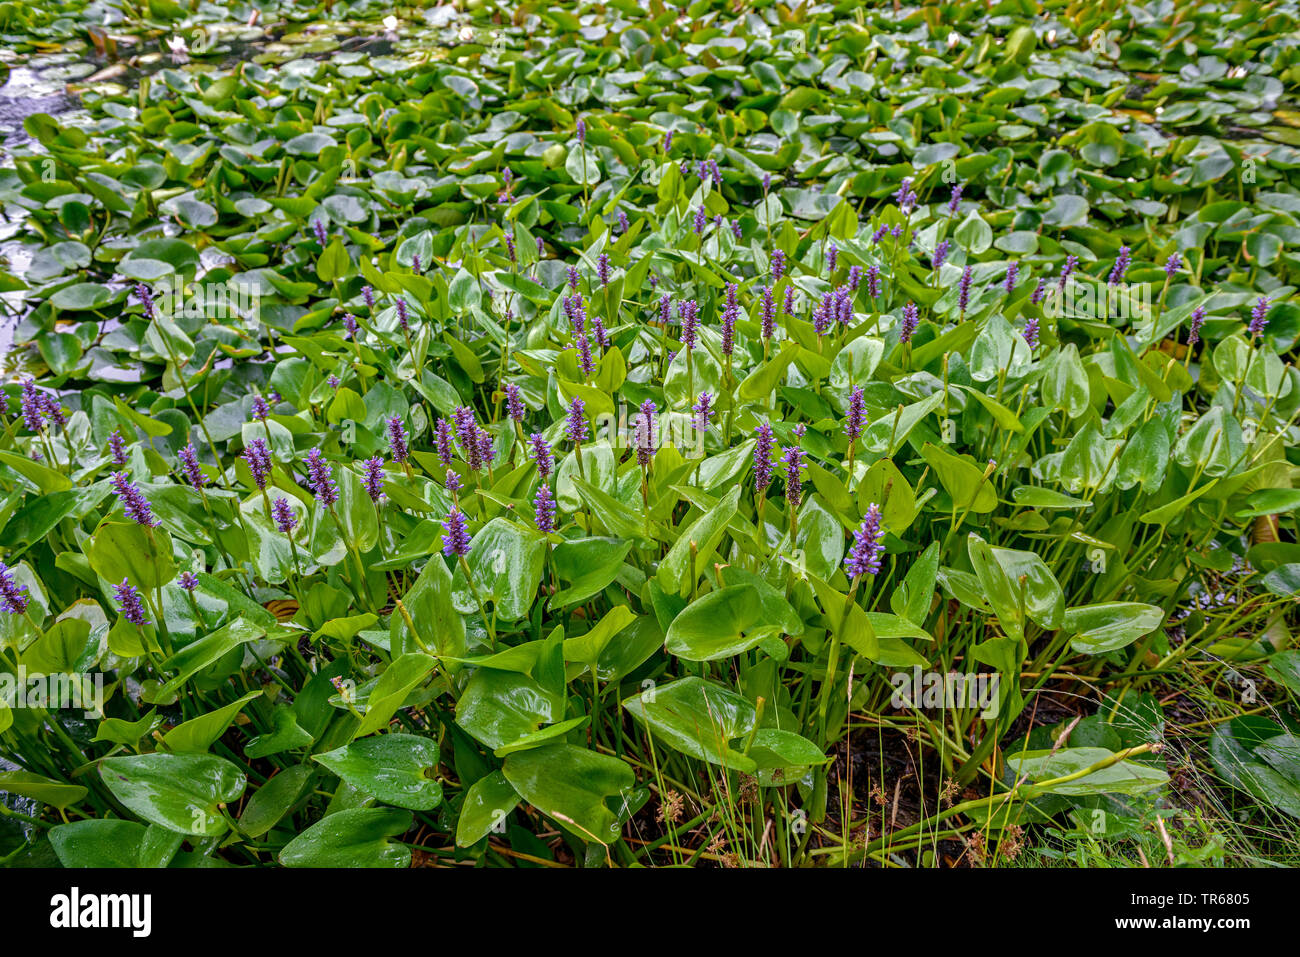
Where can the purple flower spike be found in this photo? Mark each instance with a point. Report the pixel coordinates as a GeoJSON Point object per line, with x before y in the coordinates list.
{"type": "Point", "coordinates": [467, 435]}
{"type": "Point", "coordinates": [941, 254]}
{"type": "Point", "coordinates": [824, 314]}
{"type": "Point", "coordinates": [701, 220]}
{"type": "Point", "coordinates": [622, 223]}
{"type": "Point", "coordinates": [1013, 270]}
{"type": "Point", "coordinates": [954, 201]}
{"type": "Point", "coordinates": [787, 302]}
{"type": "Point", "coordinates": [689, 313]}
{"type": "Point", "coordinates": [453, 481]}
{"type": "Point", "coordinates": [13, 596]}
{"type": "Point", "coordinates": [643, 433]}
{"type": "Point", "coordinates": [763, 446]}
{"type": "Point", "coordinates": [1122, 260]}
{"type": "Point", "coordinates": [911, 318]}
{"type": "Point", "coordinates": [703, 410]}
{"type": "Point", "coordinates": [905, 197]}
{"type": "Point", "coordinates": [397, 440]}
{"type": "Point", "coordinates": [541, 454]}
{"type": "Point", "coordinates": [1172, 265]}
{"type": "Point", "coordinates": [864, 555]}
{"type": "Point", "coordinates": [598, 329]}
{"type": "Point", "coordinates": [1040, 292]}
{"type": "Point", "coordinates": [190, 461]}
{"type": "Point", "coordinates": [843, 305]}
{"type": "Point", "coordinates": [258, 457]}
{"type": "Point", "coordinates": [575, 423]}
{"type": "Point", "coordinates": [544, 509]}
{"type": "Point", "coordinates": [32, 407]}
{"type": "Point", "coordinates": [1031, 332]}
{"type": "Point", "coordinates": [510, 246]}
{"type": "Point", "coordinates": [855, 277]}
{"type": "Point", "coordinates": [334, 382]}
{"type": "Point", "coordinates": [487, 452]}
{"type": "Point", "coordinates": [541, 247]}
{"type": "Point", "coordinates": [1194, 331]}
{"type": "Point", "coordinates": [128, 599]}
{"type": "Point", "coordinates": [963, 290]}
{"type": "Point", "coordinates": [792, 459]}
{"type": "Point", "coordinates": [584, 355]}
{"type": "Point", "coordinates": [442, 442]}
{"type": "Point", "coordinates": [575, 312]}
{"type": "Point", "coordinates": [455, 536]}
{"type": "Point", "coordinates": [117, 448]}
{"type": "Point", "coordinates": [832, 259]}
{"type": "Point", "coordinates": [514, 402]}
{"type": "Point", "coordinates": [603, 270]}
{"type": "Point", "coordinates": [374, 478]}
{"type": "Point", "coordinates": [403, 316]}
{"type": "Point", "coordinates": [146, 299]}
{"type": "Point", "coordinates": [873, 282]}
{"type": "Point", "coordinates": [260, 409]}
{"type": "Point", "coordinates": [857, 417]}
{"type": "Point", "coordinates": [350, 325]}
{"type": "Point", "coordinates": [769, 314]}
{"type": "Point", "coordinates": [189, 581]}
{"type": "Point", "coordinates": [668, 141]}
{"type": "Point", "coordinates": [286, 519]}
{"type": "Point", "coordinates": [1259, 316]}
{"type": "Point", "coordinates": [318, 226]}
{"type": "Point", "coordinates": [778, 264]}
{"type": "Point", "coordinates": [134, 503]}
{"type": "Point", "coordinates": [573, 278]}
{"type": "Point", "coordinates": [582, 131]}
{"type": "Point", "coordinates": [1067, 269]}
{"type": "Point", "coordinates": [368, 296]}
{"type": "Point", "coordinates": [51, 408]}
{"type": "Point", "coordinates": [729, 315]}
{"type": "Point", "coordinates": [319, 474]}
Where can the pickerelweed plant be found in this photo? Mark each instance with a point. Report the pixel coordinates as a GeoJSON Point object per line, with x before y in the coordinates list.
{"type": "Point", "coordinates": [605, 441]}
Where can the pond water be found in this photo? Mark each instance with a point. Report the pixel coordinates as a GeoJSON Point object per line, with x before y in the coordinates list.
{"type": "Point", "coordinates": [24, 93]}
{"type": "Point", "coordinates": [41, 85]}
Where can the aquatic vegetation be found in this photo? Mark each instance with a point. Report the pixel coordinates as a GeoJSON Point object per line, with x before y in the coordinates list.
{"type": "Point", "coordinates": [776, 436]}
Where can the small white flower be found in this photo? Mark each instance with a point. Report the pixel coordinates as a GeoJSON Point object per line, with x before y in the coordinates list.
{"type": "Point", "coordinates": [1051, 37]}
{"type": "Point", "coordinates": [179, 51]}
{"type": "Point", "coordinates": [466, 34]}
{"type": "Point", "coordinates": [954, 38]}
{"type": "Point", "coordinates": [390, 23]}
{"type": "Point", "coordinates": [1237, 72]}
